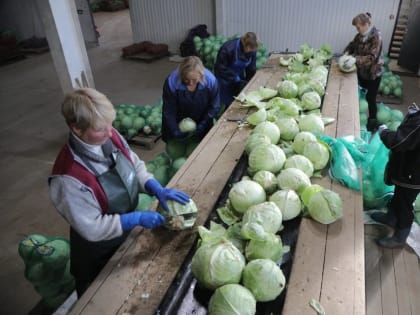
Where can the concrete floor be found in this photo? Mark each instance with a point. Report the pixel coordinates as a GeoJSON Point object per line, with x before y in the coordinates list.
{"type": "Point", "coordinates": [33, 131]}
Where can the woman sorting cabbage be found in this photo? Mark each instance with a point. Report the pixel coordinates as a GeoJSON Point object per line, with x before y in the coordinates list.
{"type": "Point", "coordinates": [235, 65]}
{"type": "Point", "coordinates": [366, 47]}
{"type": "Point", "coordinates": [95, 184]}
{"type": "Point", "coordinates": [190, 92]}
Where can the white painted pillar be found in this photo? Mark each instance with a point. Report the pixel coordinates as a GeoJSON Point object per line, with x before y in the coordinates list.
{"type": "Point", "coordinates": [65, 39]}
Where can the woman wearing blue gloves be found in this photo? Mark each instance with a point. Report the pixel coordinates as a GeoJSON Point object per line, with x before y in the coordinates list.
{"type": "Point", "coordinates": [95, 184]}
{"type": "Point", "coordinates": [235, 65]}
{"type": "Point", "coordinates": [189, 91]}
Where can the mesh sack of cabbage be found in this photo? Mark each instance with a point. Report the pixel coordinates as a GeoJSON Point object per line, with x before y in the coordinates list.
{"type": "Point", "coordinates": [179, 217]}
{"type": "Point", "coordinates": [47, 267]}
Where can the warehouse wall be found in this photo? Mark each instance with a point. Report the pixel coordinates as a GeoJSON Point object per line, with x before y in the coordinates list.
{"type": "Point", "coordinates": [280, 25]}
{"type": "Point", "coordinates": [168, 22]}
{"type": "Point", "coordinates": [285, 25]}
{"type": "Point", "coordinates": [22, 18]}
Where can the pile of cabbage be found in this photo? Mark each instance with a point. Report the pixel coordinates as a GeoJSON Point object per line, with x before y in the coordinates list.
{"type": "Point", "coordinates": [132, 120]}
{"type": "Point", "coordinates": [240, 259]}
{"type": "Point", "coordinates": [391, 84]}
{"type": "Point", "coordinates": [207, 49]}
{"type": "Point", "coordinates": [384, 115]}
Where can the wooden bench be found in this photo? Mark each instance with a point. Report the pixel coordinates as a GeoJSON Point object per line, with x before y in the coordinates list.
{"type": "Point", "coordinates": [328, 263]}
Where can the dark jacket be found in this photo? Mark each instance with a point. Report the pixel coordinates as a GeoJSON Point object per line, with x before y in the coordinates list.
{"type": "Point", "coordinates": [226, 57]}
{"type": "Point", "coordinates": [202, 105]}
{"type": "Point", "coordinates": [368, 53]}
{"type": "Point", "coordinates": [404, 160]}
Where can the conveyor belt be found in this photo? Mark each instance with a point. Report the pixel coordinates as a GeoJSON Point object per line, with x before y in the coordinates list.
{"type": "Point", "coordinates": [184, 296]}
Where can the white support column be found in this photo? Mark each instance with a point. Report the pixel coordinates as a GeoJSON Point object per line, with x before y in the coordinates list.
{"type": "Point", "coordinates": [65, 39]}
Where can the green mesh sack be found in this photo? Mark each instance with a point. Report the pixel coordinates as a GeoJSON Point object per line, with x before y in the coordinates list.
{"type": "Point", "coordinates": [47, 267]}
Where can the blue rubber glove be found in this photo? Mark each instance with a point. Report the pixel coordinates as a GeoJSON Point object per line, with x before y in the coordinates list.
{"type": "Point", "coordinates": [147, 219]}
{"type": "Point", "coordinates": [382, 128]}
{"type": "Point", "coordinates": [165, 194]}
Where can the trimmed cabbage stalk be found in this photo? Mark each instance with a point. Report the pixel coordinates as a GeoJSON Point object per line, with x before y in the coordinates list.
{"type": "Point", "coordinates": [310, 100]}
{"type": "Point", "coordinates": [288, 128]}
{"type": "Point", "coordinates": [318, 153]}
{"type": "Point", "coordinates": [301, 162]}
{"type": "Point", "coordinates": [245, 194]}
{"type": "Point", "coordinates": [301, 139]}
{"type": "Point", "coordinates": [294, 179]}
{"type": "Point", "coordinates": [267, 180]}
{"type": "Point", "coordinates": [266, 214]}
{"type": "Point", "coordinates": [325, 206]}
{"type": "Point", "coordinates": [179, 217]}
{"type": "Point", "coordinates": [254, 140]}
{"type": "Point", "coordinates": [288, 202]}
{"type": "Point", "coordinates": [312, 123]}
{"type": "Point", "coordinates": [232, 299]}
{"type": "Point", "coordinates": [217, 264]}
{"type": "Point", "coordinates": [264, 279]}
{"type": "Point", "coordinates": [266, 158]}
{"type": "Point", "coordinates": [266, 93]}
{"type": "Point", "coordinates": [269, 129]}
{"type": "Point", "coordinates": [187, 125]}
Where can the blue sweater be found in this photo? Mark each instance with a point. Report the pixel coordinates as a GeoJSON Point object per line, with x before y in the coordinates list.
{"type": "Point", "coordinates": [202, 105]}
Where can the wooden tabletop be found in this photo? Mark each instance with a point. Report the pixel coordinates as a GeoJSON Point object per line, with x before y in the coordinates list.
{"type": "Point", "coordinates": [328, 262]}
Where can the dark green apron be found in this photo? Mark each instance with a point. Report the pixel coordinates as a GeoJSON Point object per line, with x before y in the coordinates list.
{"type": "Point", "coordinates": [121, 186]}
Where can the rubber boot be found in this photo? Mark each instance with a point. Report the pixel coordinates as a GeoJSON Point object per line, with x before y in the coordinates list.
{"type": "Point", "coordinates": [395, 241]}
{"type": "Point", "coordinates": [372, 125]}
{"type": "Point", "coordinates": [387, 218]}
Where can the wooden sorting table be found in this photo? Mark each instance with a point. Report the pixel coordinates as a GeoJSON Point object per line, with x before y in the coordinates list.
{"type": "Point", "coordinates": [328, 263]}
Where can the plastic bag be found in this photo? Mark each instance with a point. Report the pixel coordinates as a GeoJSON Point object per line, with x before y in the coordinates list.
{"type": "Point", "coordinates": [376, 193]}
{"type": "Point", "coordinates": [342, 166]}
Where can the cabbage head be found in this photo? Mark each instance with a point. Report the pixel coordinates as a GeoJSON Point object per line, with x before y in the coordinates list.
{"type": "Point", "coordinates": [232, 299]}
{"type": "Point", "coordinates": [264, 279]}
{"type": "Point", "coordinates": [311, 100]}
{"type": "Point", "coordinates": [318, 153]}
{"type": "Point", "coordinates": [308, 192]}
{"type": "Point", "coordinates": [287, 89]}
{"type": "Point", "coordinates": [288, 128]}
{"type": "Point", "coordinates": [217, 264]}
{"type": "Point", "coordinates": [312, 123]}
{"type": "Point", "coordinates": [255, 139]}
{"type": "Point", "coordinates": [294, 179]}
{"type": "Point", "coordinates": [266, 214]}
{"type": "Point", "coordinates": [266, 158]}
{"type": "Point", "coordinates": [257, 117]}
{"type": "Point", "coordinates": [187, 125]}
{"type": "Point", "coordinates": [347, 63]}
{"type": "Point", "coordinates": [270, 247]}
{"type": "Point", "coordinates": [301, 139]}
{"type": "Point", "coordinates": [269, 129]}
{"type": "Point", "coordinates": [300, 162]}
{"type": "Point", "coordinates": [246, 193]}
{"type": "Point", "coordinates": [288, 202]}
{"type": "Point", "coordinates": [325, 206]}
{"type": "Point", "coordinates": [179, 217]}
{"type": "Point", "coordinates": [267, 180]}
